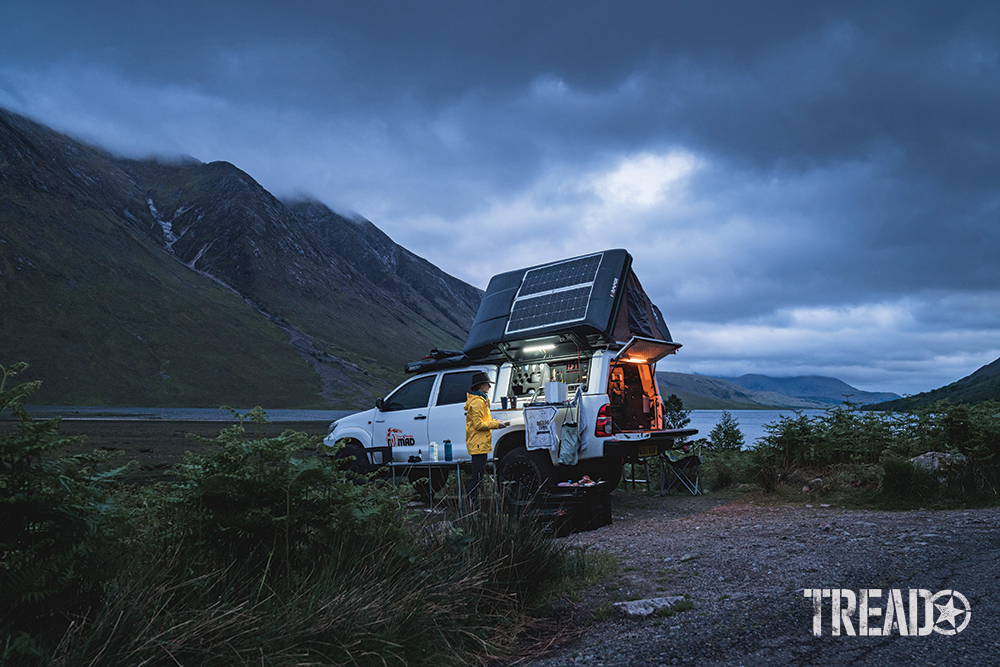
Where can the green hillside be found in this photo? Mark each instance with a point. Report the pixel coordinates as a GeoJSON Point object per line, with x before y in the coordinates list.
{"type": "Point", "coordinates": [150, 283]}
{"type": "Point", "coordinates": [981, 386]}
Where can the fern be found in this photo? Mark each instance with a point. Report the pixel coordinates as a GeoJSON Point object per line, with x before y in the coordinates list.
{"type": "Point", "coordinates": [54, 546]}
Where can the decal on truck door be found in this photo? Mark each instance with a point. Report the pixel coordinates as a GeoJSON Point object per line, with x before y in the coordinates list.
{"type": "Point", "coordinates": [395, 438]}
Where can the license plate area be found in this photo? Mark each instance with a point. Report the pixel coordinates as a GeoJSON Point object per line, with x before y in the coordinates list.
{"type": "Point", "coordinates": [647, 450]}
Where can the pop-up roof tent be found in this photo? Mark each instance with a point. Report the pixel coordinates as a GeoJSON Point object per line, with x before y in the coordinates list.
{"type": "Point", "coordinates": [584, 302]}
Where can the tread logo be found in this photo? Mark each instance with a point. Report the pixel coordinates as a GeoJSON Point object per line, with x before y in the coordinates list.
{"type": "Point", "coordinates": [395, 438]}
{"type": "Point", "coordinates": [946, 612]}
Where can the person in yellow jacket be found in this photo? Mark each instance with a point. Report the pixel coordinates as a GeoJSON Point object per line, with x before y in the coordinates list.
{"type": "Point", "coordinates": [478, 430]}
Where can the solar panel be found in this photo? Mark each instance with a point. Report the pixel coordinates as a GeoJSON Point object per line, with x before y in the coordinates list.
{"type": "Point", "coordinates": [554, 294]}
{"type": "Point", "coordinates": [560, 275]}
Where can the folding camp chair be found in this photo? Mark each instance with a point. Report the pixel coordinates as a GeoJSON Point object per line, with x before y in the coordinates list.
{"type": "Point", "coordinates": [682, 468]}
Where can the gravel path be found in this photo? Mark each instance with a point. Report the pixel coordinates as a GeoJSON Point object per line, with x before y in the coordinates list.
{"type": "Point", "coordinates": [744, 565]}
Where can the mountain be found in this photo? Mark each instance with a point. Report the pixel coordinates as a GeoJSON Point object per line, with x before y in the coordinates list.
{"type": "Point", "coordinates": [823, 390]}
{"type": "Point", "coordinates": [756, 392]}
{"type": "Point", "coordinates": [700, 392]}
{"type": "Point", "coordinates": [148, 282]}
{"type": "Point", "coordinates": [982, 385]}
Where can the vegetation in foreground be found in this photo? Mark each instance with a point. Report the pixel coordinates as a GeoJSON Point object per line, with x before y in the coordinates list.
{"type": "Point", "coordinates": [258, 553]}
{"type": "Point", "coordinates": [864, 457]}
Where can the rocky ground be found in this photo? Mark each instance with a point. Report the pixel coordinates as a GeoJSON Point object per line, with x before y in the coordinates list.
{"type": "Point", "coordinates": [744, 561]}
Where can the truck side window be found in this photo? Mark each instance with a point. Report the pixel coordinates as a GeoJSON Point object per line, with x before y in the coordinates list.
{"type": "Point", "coordinates": [410, 396]}
{"type": "Point", "coordinates": [454, 387]}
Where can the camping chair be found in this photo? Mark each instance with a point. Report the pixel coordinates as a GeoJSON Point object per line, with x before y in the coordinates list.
{"type": "Point", "coordinates": [682, 468]}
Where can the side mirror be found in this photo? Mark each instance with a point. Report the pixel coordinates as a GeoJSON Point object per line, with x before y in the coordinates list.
{"type": "Point", "coordinates": [379, 404]}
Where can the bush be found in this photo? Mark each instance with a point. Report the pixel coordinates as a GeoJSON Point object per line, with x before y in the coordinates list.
{"type": "Point", "coordinates": [849, 436]}
{"type": "Point", "coordinates": [901, 479]}
{"type": "Point", "coordinates": [272, 501]}
{"type": "Point", "coordinates": [674, 414]}
{"type": "Point", "coordinates": [723, 469]}
{"type": "Point", "coordinates": [265, 554]}
{"type": "Point", "coordinates": [56, 546]}
{"type": "Point", "coordinates": [726, 434]}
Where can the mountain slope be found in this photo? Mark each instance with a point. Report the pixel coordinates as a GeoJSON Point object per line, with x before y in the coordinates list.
{"type": "Point", "coordinates": [825, 390]}
{"type": "Point", "coordinates": [699, 392]}
{"type": "Point", "coordinates": [127, 282]}
{"type": "Point", "coordinates": [982, 385]}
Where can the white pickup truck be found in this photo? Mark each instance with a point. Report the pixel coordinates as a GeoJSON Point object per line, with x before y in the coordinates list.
{"type": "Point", "coordinates": [618, 409]}
{"type": "Point", "coordinates": [581, 329]}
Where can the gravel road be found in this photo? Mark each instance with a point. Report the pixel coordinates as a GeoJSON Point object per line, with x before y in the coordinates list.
{"type": "Point", "coordinates": [744, 564]}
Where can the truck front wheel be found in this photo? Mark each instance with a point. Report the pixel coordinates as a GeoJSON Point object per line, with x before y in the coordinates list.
{"type": "Point", "coordinates": [355, 457]}
{"type": "Point", "coordinates": [524, 473]}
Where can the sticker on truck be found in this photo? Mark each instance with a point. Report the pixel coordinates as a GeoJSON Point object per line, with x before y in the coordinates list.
{"type": "Point", "coordinates": [395, 438]}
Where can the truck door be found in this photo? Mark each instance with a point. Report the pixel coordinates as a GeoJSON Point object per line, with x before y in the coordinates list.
{"type": "Point", "coordinates": [447, 420]}
{"type": "Point", "coordinates": [402, 421]}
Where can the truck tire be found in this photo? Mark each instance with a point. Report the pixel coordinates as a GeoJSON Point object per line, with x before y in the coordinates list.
{"type": "Point", "coordinates": [523, 474]}
{"type": "Point", "coordinates": [358, 466]}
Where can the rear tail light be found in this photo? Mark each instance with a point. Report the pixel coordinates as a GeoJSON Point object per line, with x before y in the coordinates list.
{"type": "Point", "coordinates": [603, 428]}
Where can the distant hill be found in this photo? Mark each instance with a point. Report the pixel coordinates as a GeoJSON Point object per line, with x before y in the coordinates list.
{"type": "Point", "coordinates": [982, 385]}
{"type": "Point", "coordinates": [824, 390]}
{"type": "Point", "coordinates": [699, 392]}
{"type": "Point", "coordinates": [760, 392]}
{"type": "Point", "coordinates": [153, 283]}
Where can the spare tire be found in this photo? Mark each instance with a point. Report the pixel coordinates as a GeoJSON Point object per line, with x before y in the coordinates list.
{"type": "Point", "coordinates": [523, 474]}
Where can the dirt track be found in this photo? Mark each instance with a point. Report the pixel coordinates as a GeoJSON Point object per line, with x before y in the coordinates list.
{"type": "Point", "coordinates": [745, 565]}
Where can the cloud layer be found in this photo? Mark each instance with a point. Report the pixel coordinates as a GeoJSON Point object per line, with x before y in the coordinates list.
{"type": "Point", "coordinates": [805, 190]}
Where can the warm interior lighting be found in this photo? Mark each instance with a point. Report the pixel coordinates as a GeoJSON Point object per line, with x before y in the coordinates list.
{"type": "Point", "coordinates": [640, 351]}
{"type": "Point", "coordinates": [539, 348]}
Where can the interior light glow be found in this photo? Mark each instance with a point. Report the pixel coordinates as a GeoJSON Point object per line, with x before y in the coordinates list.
{"type": "Point", "coordinates": [539, 348]}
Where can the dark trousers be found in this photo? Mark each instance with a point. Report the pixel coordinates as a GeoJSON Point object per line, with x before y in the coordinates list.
{"type": "Point", "coordinates": [476, 476]}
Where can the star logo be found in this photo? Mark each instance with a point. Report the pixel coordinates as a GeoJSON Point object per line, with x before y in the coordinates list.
{"type": "Point", "coordinates": [948, 612]}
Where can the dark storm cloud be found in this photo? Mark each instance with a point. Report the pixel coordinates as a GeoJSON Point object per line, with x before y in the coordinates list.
{"type": "Point", "coordinates": [804, 187]}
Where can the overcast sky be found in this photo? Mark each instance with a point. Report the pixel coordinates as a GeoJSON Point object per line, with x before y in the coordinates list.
{"type": "Point", "coordinates": [805, 189]}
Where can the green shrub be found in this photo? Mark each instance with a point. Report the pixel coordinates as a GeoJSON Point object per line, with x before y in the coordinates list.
{"type": "Point", "coordinates": [56, 545]}
{"type": "Point", "coordinates": [902, 480]}
{"type": "Point", "coordinates": [272, 501]}
{"type": "Point", "coordinates": [726, 434]}
{"type": "Point", "coordinates": [723, 469]}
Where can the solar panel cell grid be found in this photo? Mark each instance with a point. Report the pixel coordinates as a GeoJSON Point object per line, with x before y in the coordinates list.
{"type": "Point", "coordinates": [548, 309]}
{"type": "Point", "coordinates": [560, 276]}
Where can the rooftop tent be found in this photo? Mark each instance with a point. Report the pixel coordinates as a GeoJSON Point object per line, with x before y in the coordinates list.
{"type": "Point", "coordinates": [583, 302]}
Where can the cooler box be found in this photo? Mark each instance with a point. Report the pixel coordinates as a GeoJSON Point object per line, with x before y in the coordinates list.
{"type": "Point", "coordinates": [556, 521]}
{"type": "Point", "coordinates": [590, 505]}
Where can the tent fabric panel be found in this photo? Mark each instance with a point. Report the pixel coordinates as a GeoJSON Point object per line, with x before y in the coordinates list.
{"type": "Point", "coordinates": [638, 316]}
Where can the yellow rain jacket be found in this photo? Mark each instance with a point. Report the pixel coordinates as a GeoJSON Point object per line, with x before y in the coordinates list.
{"type": "Point", "coordinates": [478, 424]}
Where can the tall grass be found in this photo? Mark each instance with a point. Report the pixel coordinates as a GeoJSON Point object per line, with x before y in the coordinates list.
{"type": "Point", "coordinates": [453, 594]}
{"type": "Point", "coordinates": [263, 552]}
